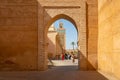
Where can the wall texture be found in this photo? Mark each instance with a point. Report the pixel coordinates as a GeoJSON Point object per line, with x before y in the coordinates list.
{"type": "Point", "coordinates": [23, 29]}
{"type": "Point", "coordinates": [92, 33]}
{"type": "Point", "coordinates": [109, 36]}
{"type": "Point", "coordinates": [18, 34]}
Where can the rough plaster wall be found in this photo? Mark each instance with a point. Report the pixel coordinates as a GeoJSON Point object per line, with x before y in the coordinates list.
{"type": "Point", "coordinates": [18, 34]}
{"type": "Point", "coordinates": [109, 36]}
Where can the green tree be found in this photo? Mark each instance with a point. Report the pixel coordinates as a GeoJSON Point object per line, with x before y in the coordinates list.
{"type": "Point", "coordinates": [73, 44]}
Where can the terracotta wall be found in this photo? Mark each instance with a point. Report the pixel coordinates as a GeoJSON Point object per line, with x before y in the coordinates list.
{"type": "Point", "coordinates": [18, 34]}
{"type": "Point", "coordinates": [109, 36]}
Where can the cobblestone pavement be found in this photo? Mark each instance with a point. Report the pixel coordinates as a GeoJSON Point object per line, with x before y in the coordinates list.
{"type": "Point", "coordinates": [62, 70]}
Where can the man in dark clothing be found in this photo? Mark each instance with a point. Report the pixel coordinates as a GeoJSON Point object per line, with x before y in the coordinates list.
{"type": "Point", "coordinates": [66, 56]}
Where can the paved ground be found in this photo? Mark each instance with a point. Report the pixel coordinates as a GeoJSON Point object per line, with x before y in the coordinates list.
{"type": "Point", "coordinates": [63, 70]}
{"type": "Point", "coordinates": [65, 62]}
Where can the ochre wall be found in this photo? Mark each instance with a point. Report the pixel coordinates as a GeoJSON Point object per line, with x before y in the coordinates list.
{"type": "Point", "coordinates": [18, 34]}
{"type": "Point", "coordinates": [92, 33]}
{"type": "Point", "coordinates": [24, 24]}
{"type": "Point", "coordinates": [109, 36]}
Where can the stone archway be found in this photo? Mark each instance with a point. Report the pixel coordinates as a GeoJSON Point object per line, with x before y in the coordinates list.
{"type": "Point", "coordinates": [25, 29]}
{"type": "Point", "coordinates": [49, 14]}
{"type": "Point", "coordinates": [54, 19]}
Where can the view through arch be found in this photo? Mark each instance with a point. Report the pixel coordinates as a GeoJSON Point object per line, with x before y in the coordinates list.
{"type": "Point", "coordinates": [62, 44]}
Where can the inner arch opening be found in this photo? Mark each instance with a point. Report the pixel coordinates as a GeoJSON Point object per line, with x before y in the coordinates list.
{"type": "Point", "coordinates": [62, 41]}
{"type": "Point", "coordinates": [57, 17]}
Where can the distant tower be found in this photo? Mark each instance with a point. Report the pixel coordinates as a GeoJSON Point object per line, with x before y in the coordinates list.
{"type": "Point", "coordinates": [61, 38]}
{"type": "Point", "coordinates": [56, 40]}
{"type": "Point", "coordinates": [60, 25]}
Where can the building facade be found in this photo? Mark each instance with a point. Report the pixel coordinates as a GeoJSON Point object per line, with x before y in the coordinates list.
{"type": "Point", "coordinates": [52, 33]}
{"type": "Point", "coordinates": [56, 41]}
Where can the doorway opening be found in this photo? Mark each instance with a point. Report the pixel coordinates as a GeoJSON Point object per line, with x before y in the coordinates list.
{"type": "Point", "coordinates": [62, 39]}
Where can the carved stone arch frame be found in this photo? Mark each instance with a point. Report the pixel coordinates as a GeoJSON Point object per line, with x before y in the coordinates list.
{"type": "Point", "coordinates": [47, 15]}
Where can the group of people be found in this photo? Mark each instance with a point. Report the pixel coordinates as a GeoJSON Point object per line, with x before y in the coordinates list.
{"type": "Point", "coordinates": [68, 56]}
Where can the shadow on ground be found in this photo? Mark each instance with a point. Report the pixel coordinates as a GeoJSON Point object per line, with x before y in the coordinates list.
{"type": "Point", "coordinates": [55, 73]}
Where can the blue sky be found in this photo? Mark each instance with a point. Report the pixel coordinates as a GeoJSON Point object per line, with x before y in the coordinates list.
{"type": "Point", "coordinates": [71, 32]}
